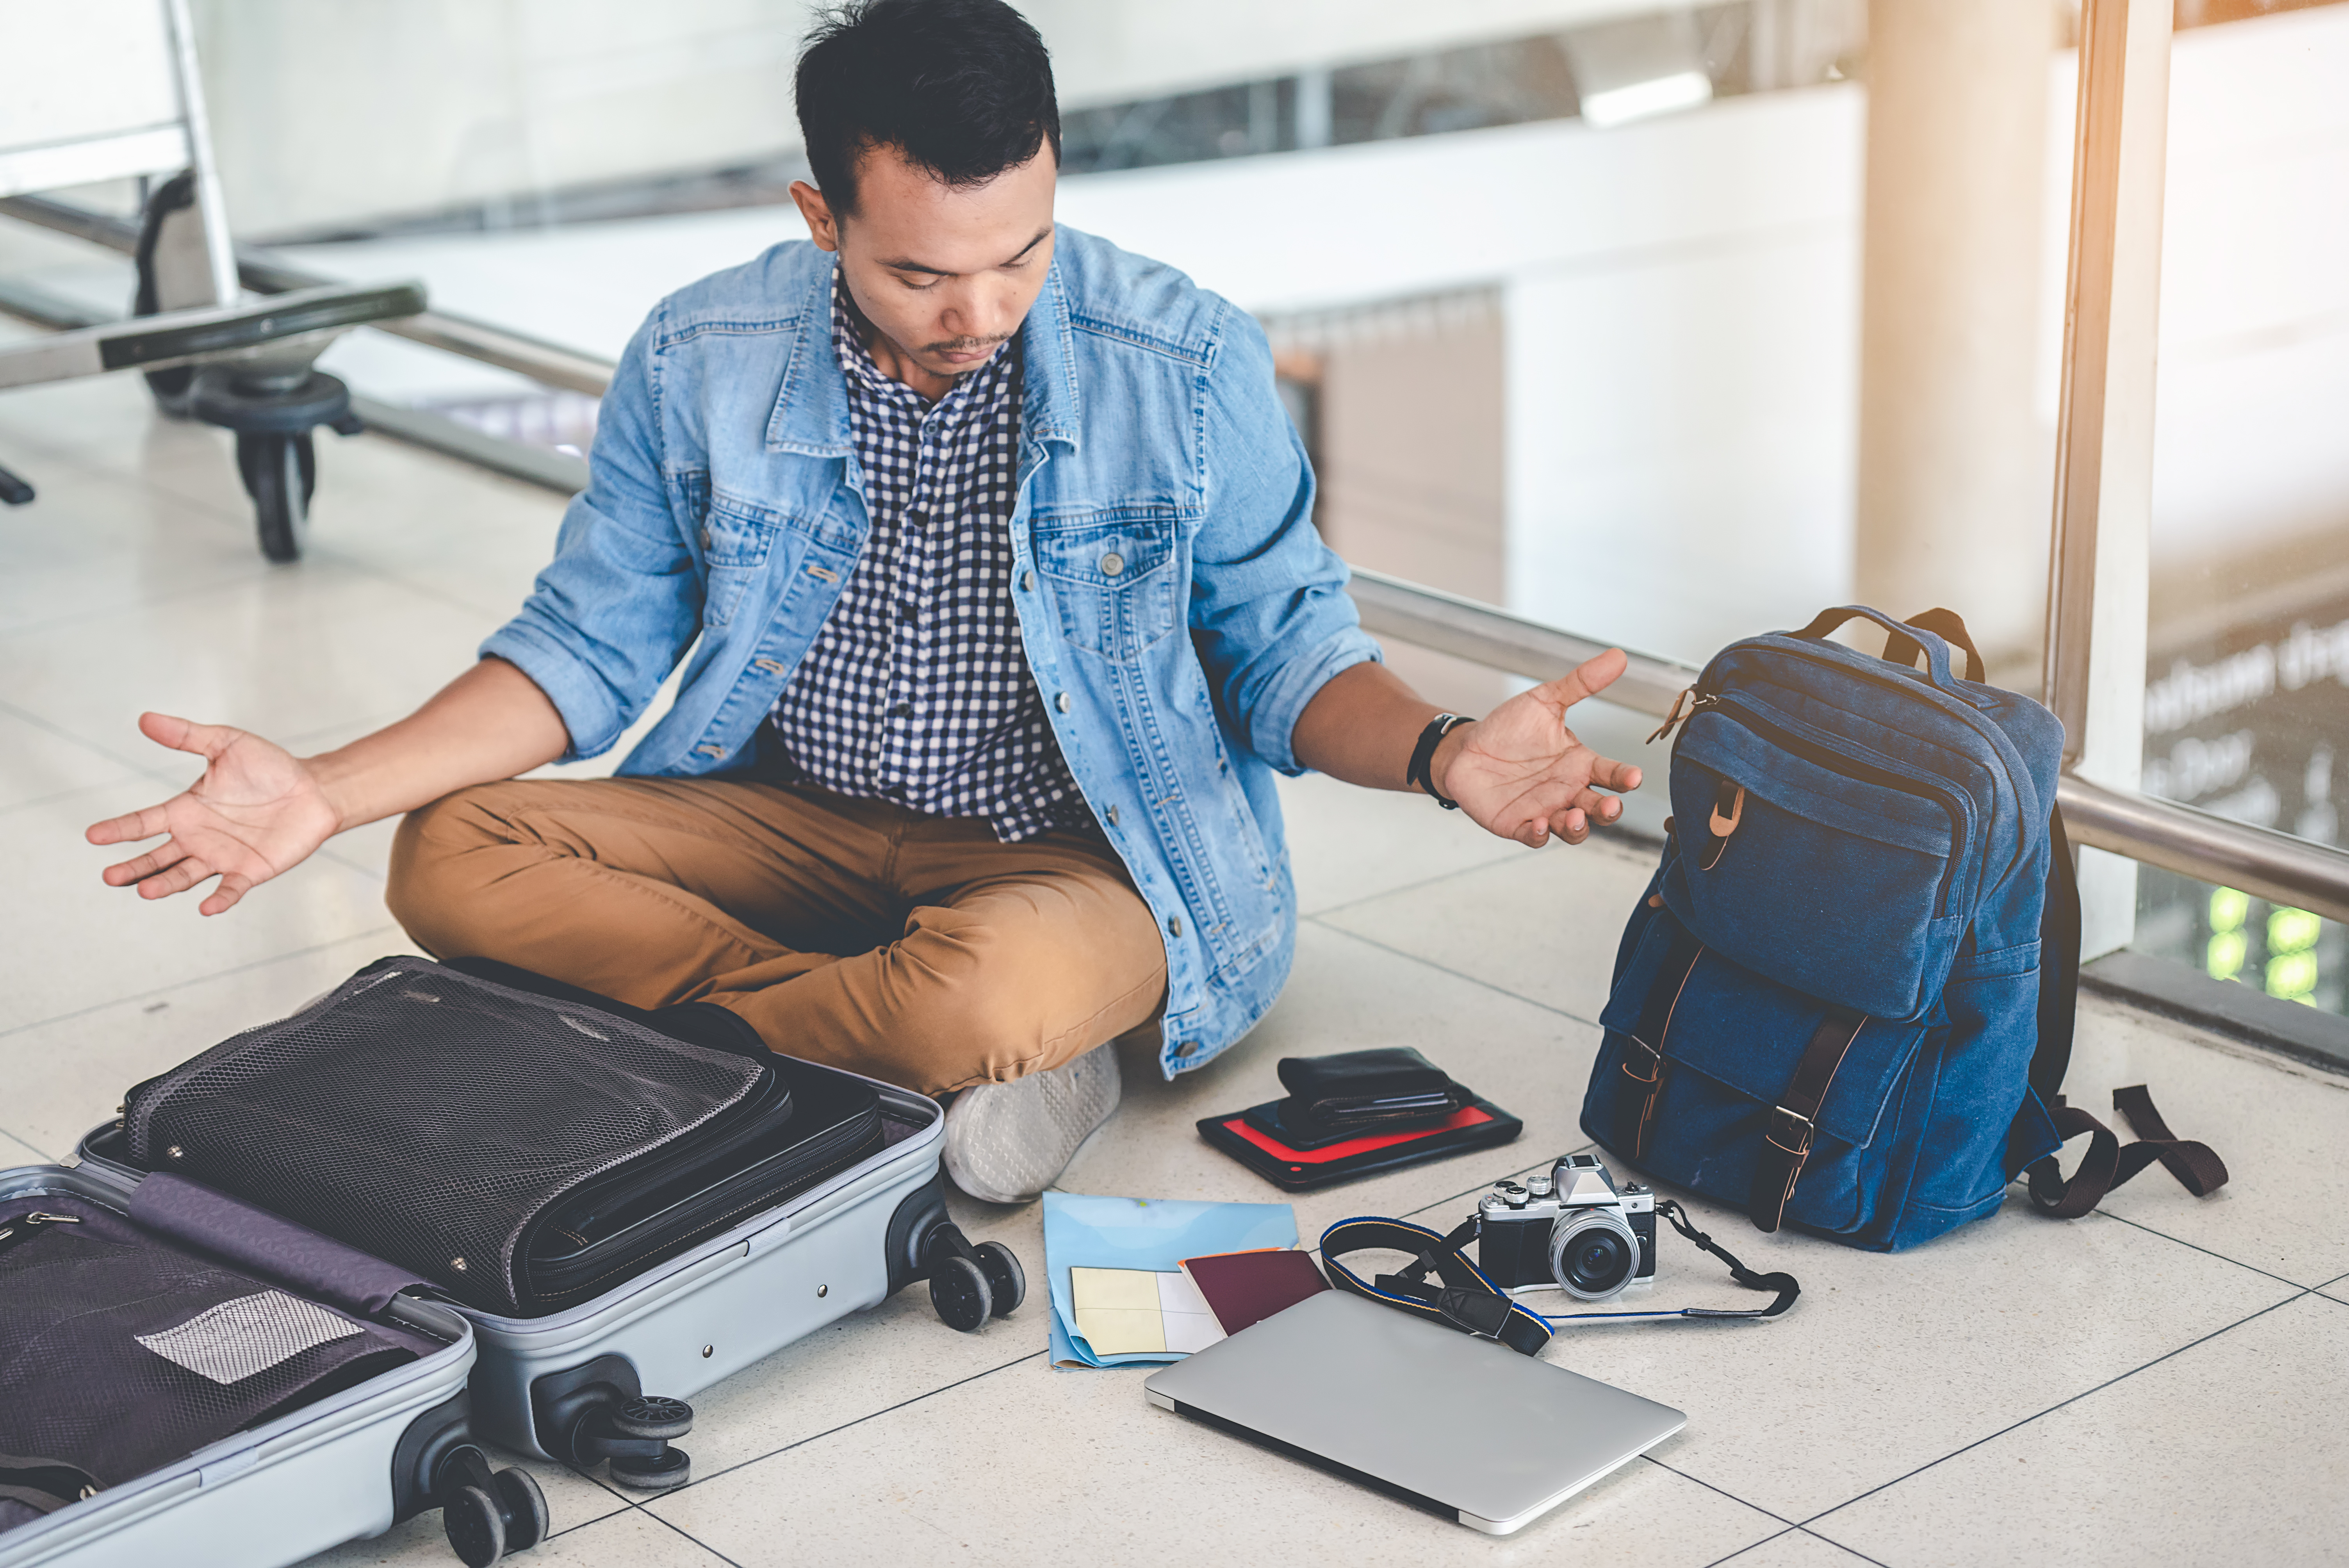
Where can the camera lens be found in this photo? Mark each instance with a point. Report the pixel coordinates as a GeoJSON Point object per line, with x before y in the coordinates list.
{"type": "Point", "coordinates": [1592, 1254]}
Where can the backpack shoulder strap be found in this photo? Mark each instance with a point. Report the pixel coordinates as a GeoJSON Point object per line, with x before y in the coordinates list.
{"type": "Point", "coordinates": [2108, 1163]}
{"type": "Point", "coordinates": [2059, 964]}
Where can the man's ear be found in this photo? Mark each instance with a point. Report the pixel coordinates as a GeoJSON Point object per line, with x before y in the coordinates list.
{"type": "Point", "coordinates": [821, 227]}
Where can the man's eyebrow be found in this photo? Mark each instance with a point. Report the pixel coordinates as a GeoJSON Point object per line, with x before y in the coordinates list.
{"type": "Point", "coordinates": [906, 265]}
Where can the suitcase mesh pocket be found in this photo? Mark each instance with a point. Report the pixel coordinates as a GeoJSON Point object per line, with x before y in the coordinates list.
{"type": "Point", "coordinates": [120, 1353]}
{"type": "Point", "coordinates": [429, 1118]}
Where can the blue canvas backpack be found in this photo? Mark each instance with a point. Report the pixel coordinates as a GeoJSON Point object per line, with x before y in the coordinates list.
{"type": "Point", "coordinates": [1846, 1001]}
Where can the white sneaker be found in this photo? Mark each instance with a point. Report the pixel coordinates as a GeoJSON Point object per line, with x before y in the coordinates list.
{"type": "Point", "coordinates": [1006, 1142]}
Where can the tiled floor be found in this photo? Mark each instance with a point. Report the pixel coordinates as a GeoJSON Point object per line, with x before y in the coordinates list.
{"type": "Point", "coordinates": [2161, 1381]}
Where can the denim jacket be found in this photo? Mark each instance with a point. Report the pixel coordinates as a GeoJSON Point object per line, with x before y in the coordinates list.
{"type": "Point", "coordinates": [725, 509]}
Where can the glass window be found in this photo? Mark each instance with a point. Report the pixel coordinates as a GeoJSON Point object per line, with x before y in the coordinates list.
{"type": "Point", "coordinates": [2247, 683]}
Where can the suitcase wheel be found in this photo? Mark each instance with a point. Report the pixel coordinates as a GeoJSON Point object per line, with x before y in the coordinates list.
{"type": "Point", "coordinates": [476, 1532]}
{"type": "Point", "coordinates": [1005, 1280]}
{"type": "Point", "coordinates": [671, 1467]}
{"type": "Point", "coordinates": [525, 1508]}
{"type": "Point", "coordinates": [654, 1417]}
{"type": "Point", "coordinates": [959, 1291]}
{"type": "Point", "coordinates": [487, 1513]}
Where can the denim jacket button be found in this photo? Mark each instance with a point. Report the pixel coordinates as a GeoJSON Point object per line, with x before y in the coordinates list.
{"type": "Point", "coordinates": [1113, 563]}
{"type": "Point", "coordinates": [1028, 582]}
{"type": "Point", "coordinates": [705, 539]}
{"type": "Point", "coordinates": [1062, 702]}
{"type": "Point", "coordinates": [1112, 816]}
{"type": "Point", "coordinates": [1174, 925]}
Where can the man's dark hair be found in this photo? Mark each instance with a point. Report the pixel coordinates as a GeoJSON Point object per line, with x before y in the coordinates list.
{"type": "Point", "coordinates": [961, 88]}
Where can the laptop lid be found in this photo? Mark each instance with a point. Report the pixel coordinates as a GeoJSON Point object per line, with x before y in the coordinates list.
{"type": "Point", "coordinates": [1462, 1427]}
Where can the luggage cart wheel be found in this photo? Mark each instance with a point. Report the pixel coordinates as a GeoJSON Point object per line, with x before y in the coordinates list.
{"type": "Point", "coordinates": [476, 1532]}
{"type": "Point", "coordinates": [671, 1467]}
{"type": "Point", "coordinates": [652, 1415]}
{"type": "Point", "coordinates": [960, 1291]}
{"type": "Point", "coordinates": [1006, 1283]}
{"type": "Point", "coordinates": [281, 474]}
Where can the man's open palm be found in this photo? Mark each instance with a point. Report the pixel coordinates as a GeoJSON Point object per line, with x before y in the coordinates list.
{"type": "Point", "coordinates": [257, 811]}
{"type": "Point", "coordinates": [1523, 774]}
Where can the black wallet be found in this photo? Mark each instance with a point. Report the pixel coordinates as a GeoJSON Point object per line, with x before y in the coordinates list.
{"type": "Point", "coordinates": [1391, 1087]}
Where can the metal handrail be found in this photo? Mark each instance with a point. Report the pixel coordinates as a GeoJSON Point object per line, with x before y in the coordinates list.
{"type": "Point", "coordinates": [548, 362]}
{"type": "Point", "coordinates": [2258, 861]}
{"type": "Point", "coordinates": [2178, 837]}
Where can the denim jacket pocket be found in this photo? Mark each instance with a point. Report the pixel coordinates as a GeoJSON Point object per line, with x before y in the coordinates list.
{"type": "Point", "coordinates": [736, 539]}
{"type": "Point", "coordinates": [1113, 578]}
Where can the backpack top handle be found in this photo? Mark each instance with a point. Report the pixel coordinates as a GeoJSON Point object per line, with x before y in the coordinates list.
{"type": "Point", "coordinates": [1931, 632]}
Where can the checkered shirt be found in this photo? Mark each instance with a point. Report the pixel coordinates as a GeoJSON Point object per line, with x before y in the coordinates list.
{"type": "Point", "coordinates": [917, 689]}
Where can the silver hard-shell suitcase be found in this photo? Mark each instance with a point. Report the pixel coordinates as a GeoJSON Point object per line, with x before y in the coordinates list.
{"type": "Point", "coordinates": [608, 1379]}
{"type": "Point", "coordinates": [349, 1465]}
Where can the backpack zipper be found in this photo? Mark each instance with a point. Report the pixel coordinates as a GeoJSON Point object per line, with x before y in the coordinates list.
{"type": "Point", "coordinates": [1739, 711]}
{"type": "Point", "coordinates": [1963, 711]}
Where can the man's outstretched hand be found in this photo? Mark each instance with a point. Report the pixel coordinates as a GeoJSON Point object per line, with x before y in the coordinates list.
{"type": "Point", "coordinates": [1523, 774]}
{"type": "Point", "coordinates": [256, 812]}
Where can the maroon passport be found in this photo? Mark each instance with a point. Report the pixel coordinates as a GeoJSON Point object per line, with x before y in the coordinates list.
{"type": "Point", "coordinates": [1242, 1288]}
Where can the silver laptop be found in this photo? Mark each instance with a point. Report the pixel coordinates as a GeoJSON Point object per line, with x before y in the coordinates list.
{"type": "Point", "coordinates": [1464, 1426]}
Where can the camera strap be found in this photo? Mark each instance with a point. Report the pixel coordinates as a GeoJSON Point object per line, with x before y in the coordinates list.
{"type": "Point", "coordinates": [1467, 1301]}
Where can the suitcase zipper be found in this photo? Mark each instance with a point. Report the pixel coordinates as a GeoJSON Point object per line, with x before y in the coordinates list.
{"type": "Point", "coordinates": [1739, 711]}
{"type": "Point", "coordinates": [24, 1225]}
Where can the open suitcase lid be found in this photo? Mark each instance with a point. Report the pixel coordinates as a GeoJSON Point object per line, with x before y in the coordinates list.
{"type": "Point", "coordinates": [151, 1517]}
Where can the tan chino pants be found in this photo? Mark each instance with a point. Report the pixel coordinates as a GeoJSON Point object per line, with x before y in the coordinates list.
{"type": "Point", "coordinates": [915, 949]}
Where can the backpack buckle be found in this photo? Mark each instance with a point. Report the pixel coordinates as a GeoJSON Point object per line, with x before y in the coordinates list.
{"type": "Point", "coordinates": [1791, 1130]}
{"type": "Point", "coordinates": [1655, 1062]}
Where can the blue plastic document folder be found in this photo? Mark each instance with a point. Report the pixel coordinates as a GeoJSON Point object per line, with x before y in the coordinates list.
{"type": "Point", "coordinates": [1142, 1234]}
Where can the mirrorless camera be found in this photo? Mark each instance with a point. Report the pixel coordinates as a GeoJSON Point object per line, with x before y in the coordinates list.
{"type": "Point", "coordinates": [1573, 1230]}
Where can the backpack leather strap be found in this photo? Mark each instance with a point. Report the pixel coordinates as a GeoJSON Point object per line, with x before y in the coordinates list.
{"type": "Point", "coordinates": [1944, 625]}
{"type": "Point", "coordinates": [1643, 1056]}
{"type": "Point", "coordinates": [2109, 1163]}
{"type": "Point", "coordinates": [1786, 1135]}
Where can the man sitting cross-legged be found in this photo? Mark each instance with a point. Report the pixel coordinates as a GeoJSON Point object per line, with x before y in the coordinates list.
{"type": "Point", "coordinates": [993, 547]}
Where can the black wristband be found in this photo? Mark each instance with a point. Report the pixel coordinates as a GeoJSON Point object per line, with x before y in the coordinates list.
{"type": "Point", "coordinates": [1424, 755]}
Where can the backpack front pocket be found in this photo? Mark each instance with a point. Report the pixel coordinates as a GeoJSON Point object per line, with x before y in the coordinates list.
{"type": "Point", "coordinates": [1710, 1049]}
{"type": "Point", "coordinates": [1786, 831]}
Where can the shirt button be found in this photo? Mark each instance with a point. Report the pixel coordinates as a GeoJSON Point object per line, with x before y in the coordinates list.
{"type": "Point", "coordinates": [900, 709]}
{"type": "Point", "coordinates": [1028, 582]}
{"type": "Point", "coordinates": [909, 612]}
{"type": "Point", "coordinates": [1113, 563]}
{"type": "Point", "coordinates": [916, 516]}
{"type": "Point", "coordinates": [1062, 702]}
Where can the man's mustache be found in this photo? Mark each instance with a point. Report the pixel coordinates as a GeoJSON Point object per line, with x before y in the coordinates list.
{"type": "Point", "coordinates": [966, 345]}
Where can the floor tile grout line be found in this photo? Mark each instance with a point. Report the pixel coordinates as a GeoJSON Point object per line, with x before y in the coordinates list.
{"type": "Point", "coordinates": [695, 1538]}
{"type": "Point", "coordinates": [245, 968]}
{"type": "Point", "coordinates": [828, 1431]}
{"type": "Point", "coordinates": [37, 722]}
{"type": "Point", "coordinates": [1754, 1545]}
{"type": "Point", "coordinates": [2195, 1246]}
{"type": "Point", "coordinates": [1456, 975]}
{"type": "Point", "coordinates": [1723, 1491]}
{"type": "Point", "coordinates": [1839, 1546]}
{"type": "Point", "coordinates": [1500, 859]}
{"type": "Point", "coordinates": [2298, 1294]}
